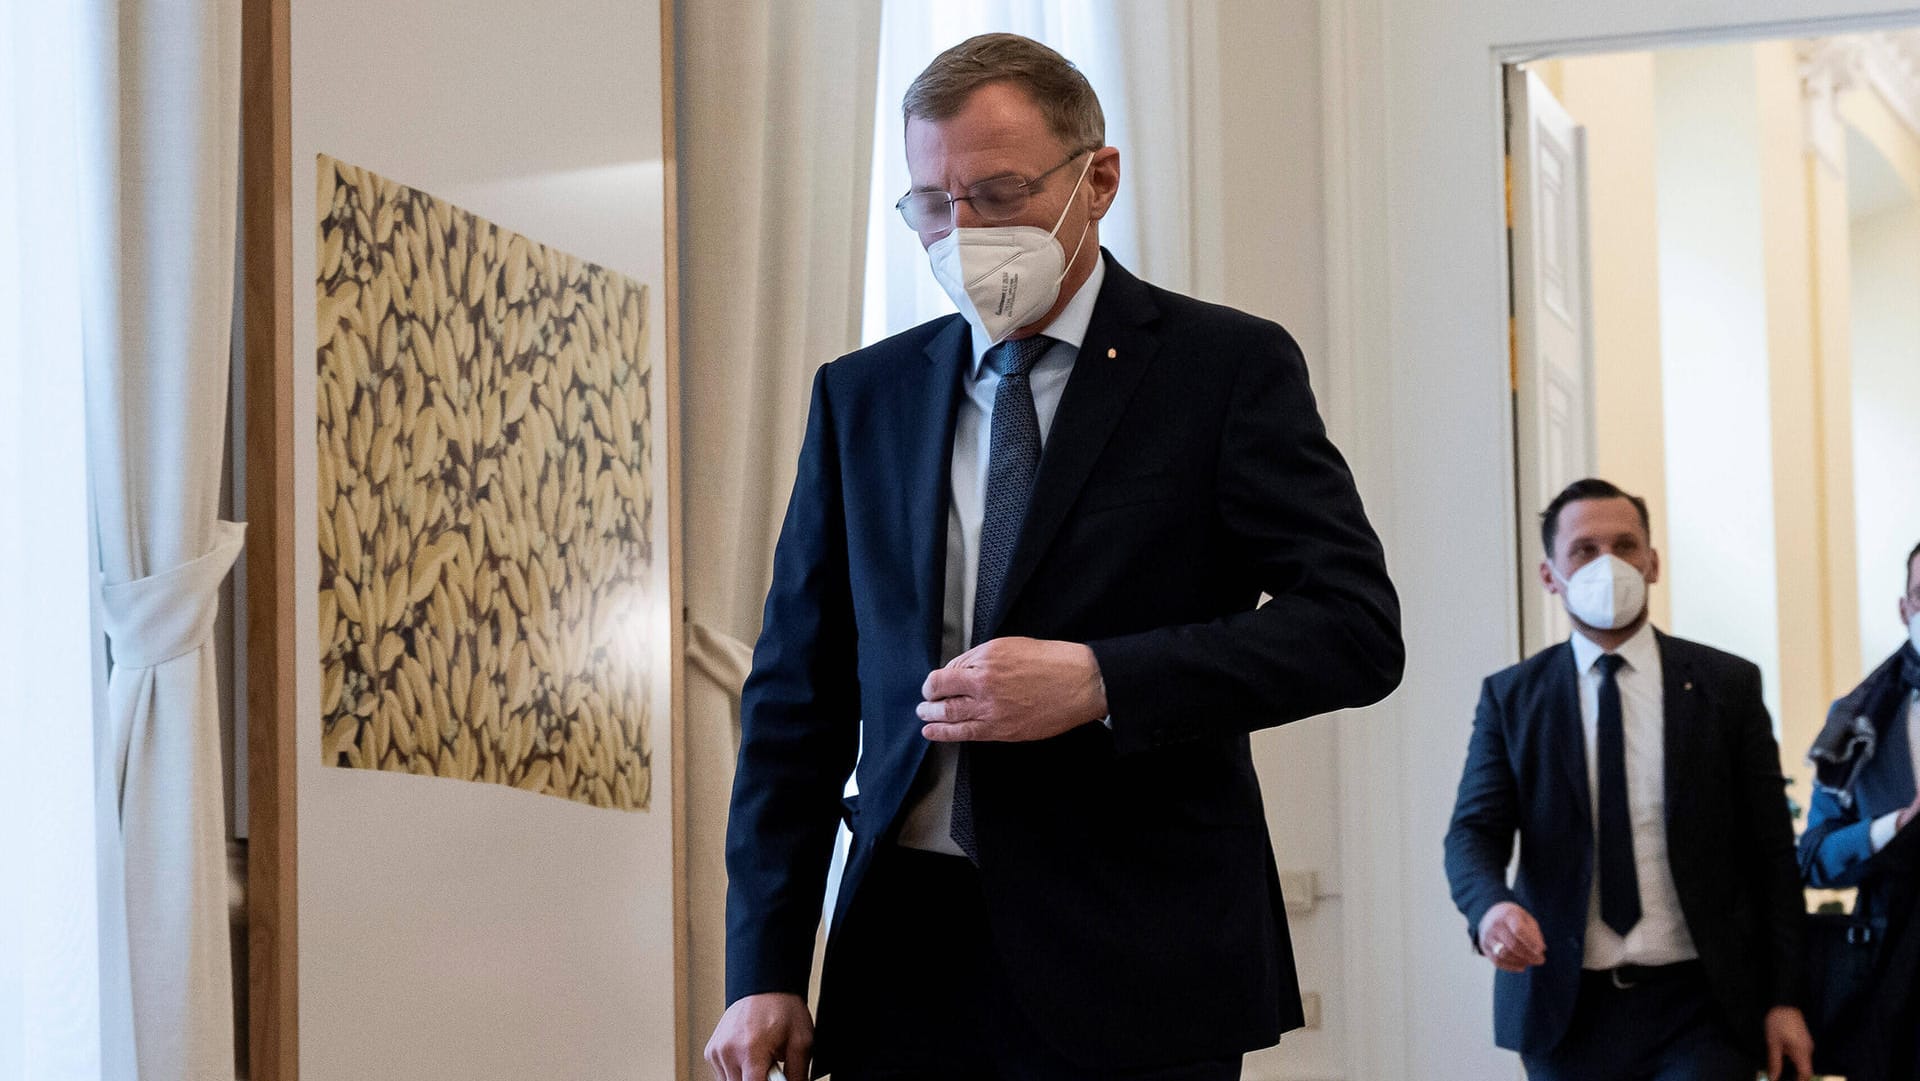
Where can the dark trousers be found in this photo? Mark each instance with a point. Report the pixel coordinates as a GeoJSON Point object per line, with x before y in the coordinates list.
{"type": "Point", "coordinates": [1663, 1028]}
{"type": "Point", "coordinates": [918, 994]}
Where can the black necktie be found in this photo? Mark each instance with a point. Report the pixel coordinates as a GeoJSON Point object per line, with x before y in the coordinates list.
{"type": "Point", "coordinates": [1619, 881]}
{"type": "Point", "coordinates": [1013, 456]}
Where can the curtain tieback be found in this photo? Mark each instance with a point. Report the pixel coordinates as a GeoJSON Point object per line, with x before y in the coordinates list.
{"type": "Point", "coordinates": [719, 656]}
{"type": "Point", "coordinates": [152, 620]}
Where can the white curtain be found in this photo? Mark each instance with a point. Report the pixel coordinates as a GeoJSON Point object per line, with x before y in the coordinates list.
{"type": "Point", "coordinates": [50, 988]}
{"type": "Point", "coordinates": [1139, 56]}
{"type": "Point", "coordinates": [775, 102]}
{"type": "Point", "coordinates": [159, 168]}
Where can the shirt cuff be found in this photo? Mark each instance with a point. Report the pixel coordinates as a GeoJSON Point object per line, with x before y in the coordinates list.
{"type": "Point", "coordinates": [1883, 829]}
{"type": "Point", "coordinates": [1108, 721]}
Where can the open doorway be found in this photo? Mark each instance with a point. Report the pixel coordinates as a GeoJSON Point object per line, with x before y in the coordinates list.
{"type": "Point", "coordinates": [1716, 304]}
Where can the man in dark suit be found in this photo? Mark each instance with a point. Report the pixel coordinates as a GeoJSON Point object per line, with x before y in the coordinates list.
{"type": "Point", "coordinates": [1021, 578]}
{"type": "Point", "coordinates": [1654, 928]}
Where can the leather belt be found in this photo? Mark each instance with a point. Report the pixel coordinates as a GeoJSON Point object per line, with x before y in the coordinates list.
{"type": "Point", "coordinates": [1627, 977]}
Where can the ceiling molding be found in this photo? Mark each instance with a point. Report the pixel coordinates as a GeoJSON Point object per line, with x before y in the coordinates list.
{"type": "Point", "coordinates": [1885, 61]}
{"type": "Point", "coordinates": [1829, 68]}
{"type": "Point", "coordinates": [1891, 61]}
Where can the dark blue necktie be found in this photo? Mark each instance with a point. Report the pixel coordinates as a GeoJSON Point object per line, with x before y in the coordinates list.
{"type": "Point", "coordinates": [1013, 456]}
{"type": "Point", "coordinates": [1619, 881]}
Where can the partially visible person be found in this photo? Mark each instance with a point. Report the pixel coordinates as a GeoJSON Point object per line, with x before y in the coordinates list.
{"type": "Point", "coordinates": [1653, 932]}
{"type": "Point", "coordinates": [1861, 832]}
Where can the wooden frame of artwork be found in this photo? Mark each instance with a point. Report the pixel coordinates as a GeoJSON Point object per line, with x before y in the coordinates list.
{"type": "Point", "coordinates": [277, 730]}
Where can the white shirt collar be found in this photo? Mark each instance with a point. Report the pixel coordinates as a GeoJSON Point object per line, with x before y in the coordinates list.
{"type": "Point", "coordinates": [1640, 651]}
{"type": "Point", "coordinates": [1070, 326]}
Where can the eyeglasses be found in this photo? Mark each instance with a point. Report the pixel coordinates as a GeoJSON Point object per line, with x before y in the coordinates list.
{"type": "Point", "coordinates": [1003, 198]}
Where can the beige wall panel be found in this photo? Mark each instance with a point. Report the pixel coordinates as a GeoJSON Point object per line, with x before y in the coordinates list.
{"type": "Point", "coordinates": [1832, 284]}
{"type": "Point", "coordinates": [1612, 97]}
{"type": "Point", "coordinates": [1787, 237]}
{"type": "Point", "coordinates": [1886, 399]}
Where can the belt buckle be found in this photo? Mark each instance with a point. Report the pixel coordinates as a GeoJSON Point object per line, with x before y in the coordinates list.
{"type": "Point", "coordinates": [1623, 985]}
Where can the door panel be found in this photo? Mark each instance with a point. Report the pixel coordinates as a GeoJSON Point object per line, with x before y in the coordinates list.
{"type": "Point", "coordinates": [1552, 363]}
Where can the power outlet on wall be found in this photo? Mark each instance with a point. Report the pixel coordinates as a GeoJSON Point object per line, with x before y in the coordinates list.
{"type": "Point", "coordinates": [1300, 889]}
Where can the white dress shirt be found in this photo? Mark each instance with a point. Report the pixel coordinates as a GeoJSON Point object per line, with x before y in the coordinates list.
{"type": "Point", "coordinates": [927, 821]}
{"type": "Point", "coordinates": [1888, 824]}
{"type": "Point", "coordinates": [1661, 937]}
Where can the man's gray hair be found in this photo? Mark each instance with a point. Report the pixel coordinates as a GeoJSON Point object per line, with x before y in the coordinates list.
{"type": "Point", "coordinates": [1065, 99]}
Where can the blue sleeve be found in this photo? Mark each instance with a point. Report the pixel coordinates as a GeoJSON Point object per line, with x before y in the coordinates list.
{"type": "Point", "coordinates": [1486, 815]}
{"type": "Point", "coordinates": [1330, 636]}
{"type": "Point", "coordinates": [799, 732]}
{"type": "Point", "coordinates": [1837, 844]}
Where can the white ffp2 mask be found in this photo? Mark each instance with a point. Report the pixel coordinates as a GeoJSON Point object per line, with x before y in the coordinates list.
{"type": "Point", "coordinates": [1607, 593]}
{"type": "Point", "coordinates": [1004, 277]}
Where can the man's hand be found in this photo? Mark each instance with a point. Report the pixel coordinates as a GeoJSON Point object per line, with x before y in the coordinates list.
{"type": "Point", "coordinates": [1907, 814]}
{"type": "Point", "coordinates": [1012, 689]}
{"type": "Point", "coordinates": [1788, 1038]}
{"type": "Point", "coordinates": [757, 1031]}
{"type": "Point", "coordinates": [1511, 939]}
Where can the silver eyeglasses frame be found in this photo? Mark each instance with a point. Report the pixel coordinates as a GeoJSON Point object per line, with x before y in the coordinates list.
{"type": "Point", "coordinates": [929, 205]}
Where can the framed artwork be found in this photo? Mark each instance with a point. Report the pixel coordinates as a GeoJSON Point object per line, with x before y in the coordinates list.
{"type": "Point", "coordinates": [462, 593]}
{"type": "Point", "coordinates": [485, 482]}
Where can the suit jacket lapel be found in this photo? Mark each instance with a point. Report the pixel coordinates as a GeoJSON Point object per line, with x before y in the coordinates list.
{"type": "Point", "coordinates": [926, 456]}
{"type": "Point", "coordinates": [1113, 357]}
{"type": "Point", "coordinates": [1568, 735]}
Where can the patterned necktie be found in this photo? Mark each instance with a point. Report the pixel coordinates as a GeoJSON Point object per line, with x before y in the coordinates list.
{"type": "Point", "coordinates": [1013, 456]}
{"type": "Point", "coordinates": [1619, 881]}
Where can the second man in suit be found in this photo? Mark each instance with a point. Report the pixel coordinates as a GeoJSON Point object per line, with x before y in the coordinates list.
{"type": "Point", "coordinates": [1653, 931]}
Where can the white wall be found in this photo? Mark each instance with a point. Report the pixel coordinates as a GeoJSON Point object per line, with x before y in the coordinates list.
{"type": "Point", "coordinates": [1886, 415]}
{"type": "Point", "coordinates": [1719, 566]}
{"type": "Point", "coordinates": [1261, 245]}
{"type": "Point", "coordinates": [451, 930]}
{"type": "Point", "coordinates": [1269, 221]}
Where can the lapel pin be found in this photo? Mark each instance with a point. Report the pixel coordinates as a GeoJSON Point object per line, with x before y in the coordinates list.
{"type": "Point", "coordinates": [1112, 354]}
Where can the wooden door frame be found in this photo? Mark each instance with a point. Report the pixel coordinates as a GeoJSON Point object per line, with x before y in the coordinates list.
{"type": "Point", "coordinates": [273, 960]}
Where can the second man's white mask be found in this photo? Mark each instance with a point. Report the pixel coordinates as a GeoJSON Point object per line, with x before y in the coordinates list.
{"type": "Point", "coordinates": [1608, 593]}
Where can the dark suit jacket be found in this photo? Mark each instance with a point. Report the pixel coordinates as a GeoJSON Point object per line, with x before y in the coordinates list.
{"type": "Point", "coordinates": [1128, 876]}
{"type": "Point", "coordinates": [1729, 835]}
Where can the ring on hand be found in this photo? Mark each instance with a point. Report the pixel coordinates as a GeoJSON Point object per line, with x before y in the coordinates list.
{"type": "Point", "coordinates": [1499, 948]}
